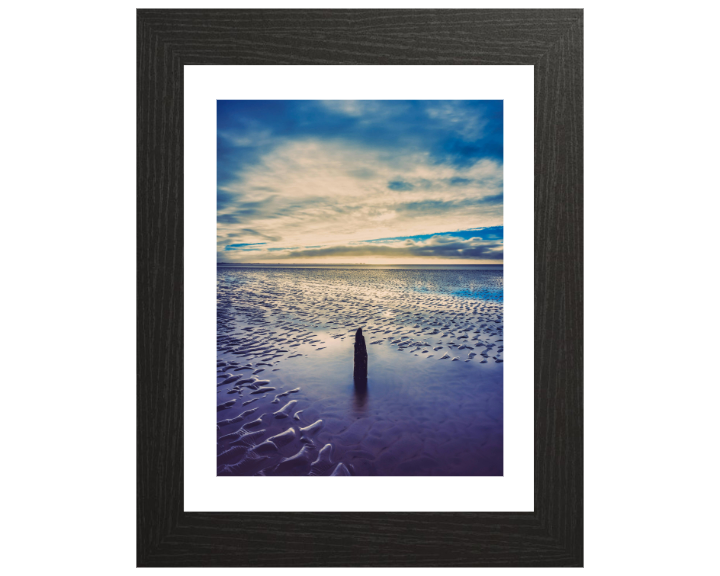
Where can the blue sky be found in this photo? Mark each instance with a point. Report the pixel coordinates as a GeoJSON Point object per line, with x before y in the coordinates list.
{"type": "Point", "coordinates": [360, 181]}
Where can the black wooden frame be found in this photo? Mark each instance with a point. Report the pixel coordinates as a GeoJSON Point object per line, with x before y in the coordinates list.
{"type": "Point", "coordinates": [552, 41]}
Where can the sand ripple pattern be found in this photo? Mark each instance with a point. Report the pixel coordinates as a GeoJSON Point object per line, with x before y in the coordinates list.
{"type": "Point", "coordinates": [286, 400]}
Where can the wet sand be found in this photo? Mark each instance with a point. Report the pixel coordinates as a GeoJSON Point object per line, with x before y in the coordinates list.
{"type": "Point", "coordinates": [287, 402]}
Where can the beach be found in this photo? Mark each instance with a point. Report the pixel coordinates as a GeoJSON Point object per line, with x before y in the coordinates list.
{"type": "Point", "coordinates": [288, 403]}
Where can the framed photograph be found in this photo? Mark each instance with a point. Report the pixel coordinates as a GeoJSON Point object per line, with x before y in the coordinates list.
{"type": "Point", "coordinates": [326, 203]}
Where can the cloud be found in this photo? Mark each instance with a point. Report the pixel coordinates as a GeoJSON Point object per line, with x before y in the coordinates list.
{"type": "Point", "coordinates": [491, 233]}
{"type": "Point", "coordinates": [249, 232]}
{"type": "Point", "coordinates": [335, 174]}
{"type": "Point", "coordinates": [238, 246]}
{"type": "Point", "coordinates": [350, 107]}
{"type": "Point", "coordinates": [249, 129]}
{"type": "Point", "coordinates": [460, 119]}
{"type": "Point", "coordinates": [305, 188]}
{"type": "Point", "coordinates": [446, 247]}
{"type": "Point", "coordinates": [248, 138]}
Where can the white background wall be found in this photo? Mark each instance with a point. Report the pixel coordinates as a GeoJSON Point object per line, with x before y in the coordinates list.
{"type": "Point", "coordinates": [67, 295]}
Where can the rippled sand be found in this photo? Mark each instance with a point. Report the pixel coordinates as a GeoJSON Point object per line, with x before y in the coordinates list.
{"type": "Point", "coordinates": [287, 403]}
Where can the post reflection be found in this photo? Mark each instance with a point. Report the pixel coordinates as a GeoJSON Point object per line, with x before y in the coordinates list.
{"type": "Point", "coordinates": [361, 393]}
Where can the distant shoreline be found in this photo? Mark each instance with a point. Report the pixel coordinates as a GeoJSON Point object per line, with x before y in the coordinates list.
{"type": "Point", "coordinates": [368, 266]}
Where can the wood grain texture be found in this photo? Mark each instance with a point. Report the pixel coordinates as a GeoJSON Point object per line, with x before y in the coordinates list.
{"type": "Point", "coordinates": [552, 41]}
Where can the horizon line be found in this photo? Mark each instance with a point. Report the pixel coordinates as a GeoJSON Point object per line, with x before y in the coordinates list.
{"type": "Point", "coordinates": [353, 264]}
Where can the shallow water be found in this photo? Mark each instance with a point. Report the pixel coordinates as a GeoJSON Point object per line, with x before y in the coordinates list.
{"type": "Point", "coordinates": [433, 403]}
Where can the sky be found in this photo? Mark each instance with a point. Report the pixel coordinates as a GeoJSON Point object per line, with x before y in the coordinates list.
{"type": "Point", "coordinates": [373, 182]}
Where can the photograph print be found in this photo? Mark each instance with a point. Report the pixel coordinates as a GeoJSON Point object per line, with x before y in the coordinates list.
{"type": "Point", "coordinates": [359, 288]}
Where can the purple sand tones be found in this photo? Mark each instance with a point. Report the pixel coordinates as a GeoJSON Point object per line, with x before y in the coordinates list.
{"type": "Point", "coordinates": [287, 400]}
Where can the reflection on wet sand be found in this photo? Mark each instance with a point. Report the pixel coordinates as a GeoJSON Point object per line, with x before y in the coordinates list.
{"type": "Point", "coordinates": [361, 393]}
